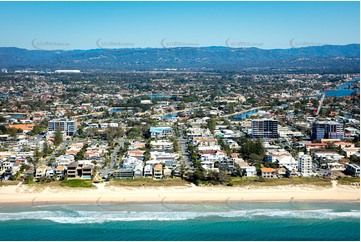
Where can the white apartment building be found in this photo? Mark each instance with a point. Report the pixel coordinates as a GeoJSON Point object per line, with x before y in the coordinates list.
{"type": "Point", "coordinates": [304, 164]}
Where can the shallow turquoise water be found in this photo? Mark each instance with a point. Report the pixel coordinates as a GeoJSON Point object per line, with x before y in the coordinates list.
{"type": "Point", "coordinates": [224, 221]}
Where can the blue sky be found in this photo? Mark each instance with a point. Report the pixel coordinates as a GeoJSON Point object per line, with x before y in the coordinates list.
{"type": "Point", "coordinates": [91, 25]}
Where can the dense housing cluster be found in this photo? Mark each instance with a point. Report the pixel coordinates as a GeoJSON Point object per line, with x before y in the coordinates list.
{"type": "Point", "coordinates": [205, 128]}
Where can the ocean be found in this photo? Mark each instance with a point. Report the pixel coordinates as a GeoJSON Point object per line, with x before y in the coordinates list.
{"type": "Point", "coordinates": [283, 221]}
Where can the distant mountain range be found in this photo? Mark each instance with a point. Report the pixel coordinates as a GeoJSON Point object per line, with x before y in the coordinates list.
{"type": "Point", "coordinates": [314, 59]}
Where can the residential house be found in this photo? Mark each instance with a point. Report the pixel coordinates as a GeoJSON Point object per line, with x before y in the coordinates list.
{"type": "Point", "coordinates": [283, 158]}
{"type": "Point", "coordinates": [232, 144]}
{"type": "Point", "coordinates": [204, 141]}
{"type": "Point", "coordinates": [344, 145]}
{"type": "Point", "coordinates": [136, 145]}
{"type": "Point", "coordinates": [64, 160]}
{"type": "Point", "coordinates": [281, 172]}
{"type": "Point", "coordinates": [168, 159]}
{"type": "Point", "coordinates": [197, 132]}
{"type": "Point", "coordinates": [49, 172]}
{"type": "Point", "coordinates": [40, 171]}
{"type": "Point", "coordinates": [249, 171]}
{"type": "Point", "coordinates": [158, 172]}
{"type": "Point", "coordinates": [60, 171]}
{"type": "Point", "coordinates": [352, 151]}
{"type": "Point", "coordinates": [138, 154]}
{"type": "Point", "coordinates": [148, 170]}
{"type": "Point", "coordinates": [131, 162]}
{"type": "Point", "coordinates": [138, 170]}
{"type": "Point", "coordinates": [161, 145]}
{"type": "Point", "coordinates": [167, 172]}
{"type": "Point", "coordinates": [335, 166]}
{"type": "Point", "coordinates": [315, 146]}
{"type": "Point", "coordinates": [268, 172]}
{"type": "Point", "coordinates": [330, 155]}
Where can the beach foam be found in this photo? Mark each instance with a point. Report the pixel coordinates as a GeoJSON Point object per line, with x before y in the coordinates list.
{"type": "Point", "coordinates": [80, 217]}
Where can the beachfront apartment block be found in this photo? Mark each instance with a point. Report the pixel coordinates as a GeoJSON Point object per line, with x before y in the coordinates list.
{"type": "Point", "coordinates": [264, 128]}
{"type": "Point", "coordinates": [327, 129]}
{"type": "Point", "coordinates": [80, 169]}
{"type": "Point", "coordinates": [304, 164]}
{"type": "Point", "coordinates": [124, 173]}
{"type": "Point", "coordinates": [64, 125]}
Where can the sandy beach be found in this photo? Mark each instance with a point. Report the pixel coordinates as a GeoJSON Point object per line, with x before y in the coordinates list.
{"type": "Point", "coordinates": [24, 194]}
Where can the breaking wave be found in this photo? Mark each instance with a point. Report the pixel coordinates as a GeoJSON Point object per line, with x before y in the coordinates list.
{"type": "Point", "coordinates": [74, 217]}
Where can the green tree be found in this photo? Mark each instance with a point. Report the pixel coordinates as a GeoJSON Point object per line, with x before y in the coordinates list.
{"type": "Point", "coordinates": [249, 147]}
{"type": "Point", "coordinates": [35, 131]}
{"type": "Point", "coordinates": [211, 125]}
{"type": "Point", "coordinates": [198, 175]}
{"type": "Point", "coordinates": [134, 133]}
{"type": "Point", "coordinates": [183, 170]}
{"type": "Point", "coordinates": [58, 137]}
{"type": "Point", "coordinates": [223, 177]}
{"type": "Point", "coordinates": [46, 149]}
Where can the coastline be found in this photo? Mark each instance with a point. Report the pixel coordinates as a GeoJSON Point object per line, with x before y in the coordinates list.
{"type": "Point", "coordinates": [27, 195]}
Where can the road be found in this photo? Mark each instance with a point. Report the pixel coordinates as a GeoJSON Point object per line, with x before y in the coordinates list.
{"type": "Point", "coordinates": [113, 158]}
{"type": "Point", "coordinates": [184, 150]}
{"type": "Point", "coordinates": [54, 154]}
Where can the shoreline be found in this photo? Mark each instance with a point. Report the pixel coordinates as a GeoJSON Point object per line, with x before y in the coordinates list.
{"type": "Point", "coordinates": [25, 195]}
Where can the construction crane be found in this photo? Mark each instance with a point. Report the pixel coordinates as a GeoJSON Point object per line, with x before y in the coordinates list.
{"type": "Point", "coordinates": [319, 107]}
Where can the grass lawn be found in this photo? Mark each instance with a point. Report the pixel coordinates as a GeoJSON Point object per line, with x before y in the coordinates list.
{"type": "Point", "coordinates": [8, 183]}
{"type": "Point", "coordinates": [76, 183]}
{"type": "Point", "coordinates": [348, 180]}
{"type": "Point", "coordinates": [148, 182]}
{"type": "Point", "coordinates": [241, 181]}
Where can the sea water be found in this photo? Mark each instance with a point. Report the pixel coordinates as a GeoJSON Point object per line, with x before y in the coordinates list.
{"type": "Point", "coordinates": [294, 220]}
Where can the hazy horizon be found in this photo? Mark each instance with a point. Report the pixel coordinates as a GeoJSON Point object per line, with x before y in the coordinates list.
{"type": "Point", "coordinates": [179, 47]}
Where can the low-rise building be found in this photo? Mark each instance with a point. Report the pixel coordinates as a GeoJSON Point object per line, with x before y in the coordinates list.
{"type": "Point", "coordinates": [148, 170]}
{"type": "Point", "coordinates": [138, 170]}
{"type": "Point", "coordinates": [315, 146]}
{"type": "Point", "coordinates": [268, 172]}
{"type": "Point", "coordinates": [60, 171]}
{"type": "Point", "coordinates": [158, 172]}
{"type": "Point", "coordinates": [40, 171]}
{"type": "Point", "coordinates": [353, 169]}
{"type": "Point", "coordinates": [249, 171]}
{"type": "Point", "coordinates": [124, 173]}
{"type": "Point", "coordinates": [160, 132]}
{"type": "Point", "coordinates": [281, 172]}
{"type": "Point", "coordinates": [161, 145]}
